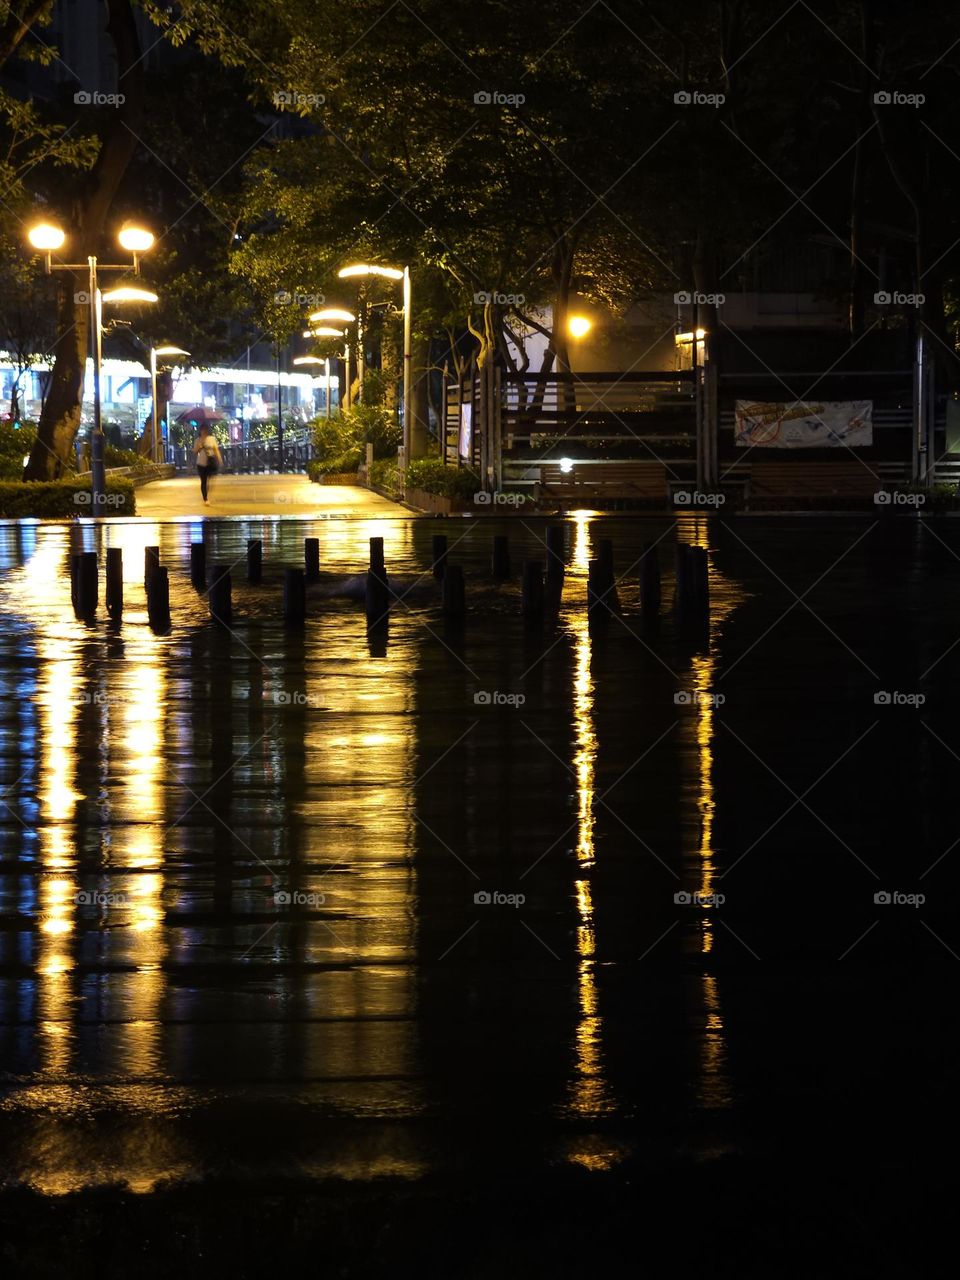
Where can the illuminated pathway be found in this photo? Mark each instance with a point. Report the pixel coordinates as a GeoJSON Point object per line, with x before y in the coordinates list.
{"type": "Point", "coordinates": [260, 495]}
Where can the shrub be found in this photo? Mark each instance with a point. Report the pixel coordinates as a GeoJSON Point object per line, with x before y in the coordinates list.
{"type": "Point", "coordinates": [63, 499]}
{"type": "Point", "coordinates": [114, 457]}
{"type": "Point", "coordinates": [336, 465]}
{"type": "Point", "coordinates": [385, 475]}
{"type": "Point", "coordinates": [432, 476]}
{"type": "Point", "coordinates": [15, 444]}
{"type": "Point", "coordinates": [355, 428]}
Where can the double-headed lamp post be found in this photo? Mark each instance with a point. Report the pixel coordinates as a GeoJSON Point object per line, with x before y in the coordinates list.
{"type": "Point", "coordinates": [362, 269]}
{"type": "Point", "coordinates": [167, 350]}
{"type": "Point", "coordinates": [48, 238]}
{"type": "Point", "coordinates": [324, 321]}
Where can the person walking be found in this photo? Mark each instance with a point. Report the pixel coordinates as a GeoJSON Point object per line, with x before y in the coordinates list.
{"type": "Point", "coordinates": [209, 459]}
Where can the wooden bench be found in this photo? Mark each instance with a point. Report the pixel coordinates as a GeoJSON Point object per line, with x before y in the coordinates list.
{"type": "Point", "coordinates": [847, 481]}
{"type": "Point", "coordinates": [605, 482]}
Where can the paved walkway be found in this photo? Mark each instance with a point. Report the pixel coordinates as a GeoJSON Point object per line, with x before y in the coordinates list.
{"type": "Point", "coordinates": [263, 495]}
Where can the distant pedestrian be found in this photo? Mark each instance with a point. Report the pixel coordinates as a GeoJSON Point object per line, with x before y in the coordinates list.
{"type": "Point", "coordinates": [209, 459]}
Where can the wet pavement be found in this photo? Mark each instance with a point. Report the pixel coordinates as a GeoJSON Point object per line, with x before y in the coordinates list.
{"type": "Point", "coordinates": [260, 495]}
{"type": "Point", "coordinates": [485, 900]}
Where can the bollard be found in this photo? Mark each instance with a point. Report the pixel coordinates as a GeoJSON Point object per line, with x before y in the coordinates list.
{"type": "Point", "coordinates": [439, 554]}
{"type": "Point", "coordinates": [158, 599]}
{"type": "Point", "coordinates": [454, 595]}
{"type": "Point", "coordinates": [500, 561]}
{"type": "Point", "coordinates": [87, 584]}
{"type": "Point", "coordinates": [198, 565]}
{"type": "Point", "coordinates": [532, 589]}
{"type": "Point", "coordinates": [601, 589]}
{"type": "Point", "coordinates": [605, 553]}
{"type": "Point", "coordinates": [649, 579]}
{"type": "Point", "coordinates": [221, 605]}
{"type": "Point", "coordinates": [700, 581]}
{"type": "Point", "coordinates": [151, 561]}
{"type": "Point", "coordinates": [114, 581]}
{"type": "Point", "coordinates": [377, 563]}
{"type": "Point", "coordinates": [254, 561]}
{"type": "Point", "coordinates": [311, 558]}
{"type": "Point", "coordinates": [74, 576]}
{"type": "Point", "coordinates": [555, 552]}
{"type": "Point", "coordinates": [693, 583]}
{"type": "Point", "coordinates": [377, 597]}
{"type": "Point", "coordinates": [294, 597]}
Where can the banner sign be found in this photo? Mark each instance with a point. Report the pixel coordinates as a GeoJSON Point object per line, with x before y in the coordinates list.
{"type": "Point", "coordinates": [804, 425]}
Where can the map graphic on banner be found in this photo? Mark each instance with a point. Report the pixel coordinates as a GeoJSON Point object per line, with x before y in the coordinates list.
{"type": "Point", "coordinates": [804, 425]}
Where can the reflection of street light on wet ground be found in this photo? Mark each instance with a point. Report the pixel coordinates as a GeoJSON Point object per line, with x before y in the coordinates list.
{"type": "Point", "coordinates": [48, 238]}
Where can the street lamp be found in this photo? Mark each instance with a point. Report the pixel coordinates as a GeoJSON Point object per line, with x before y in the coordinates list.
{"type": "Point", "coordinates": [325, 330]}
{"type": "Point", "coordinates": [47, 237]}
{"type": "Point", "coordinates": [361, 270]}
{"type": "Point", "coordinates": [579, 326]}
{"type": "Point", "coordinates": [314, 360]}
{"type": "Point", "coordinates": [166, 350]}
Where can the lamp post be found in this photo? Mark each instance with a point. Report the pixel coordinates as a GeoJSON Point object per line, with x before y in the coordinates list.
{"type": "Point", "coordinates": [315, 360]}
{"type": "Point", "coordinates": [48, 238]}
{"type": "Point", "coordinates": [322, 319]}
{"type": "Point", "coordinates": [362, 269]}
{"type": "Point", "coordinates": [167, 350]}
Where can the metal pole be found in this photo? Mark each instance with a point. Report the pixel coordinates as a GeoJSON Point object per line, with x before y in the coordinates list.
{"type": "Point", "coordinates": [328, 387]}
{"type": "Point", "coordinates": [361, 357]}
{"type": "Point", "coordinates": [279, 415]}
{"type": "Point", "coordinates": [98, 473]}
{"type": "Point", "coordinates": [407, 371]}
{"type": "Point", "coordinates": [346, 374]}
{"type": "Point", "coordinates": [153, 393]}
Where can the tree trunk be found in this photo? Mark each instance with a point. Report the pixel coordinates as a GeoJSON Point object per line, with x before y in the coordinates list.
{"type": "Point", "coordinates": [60, 418]}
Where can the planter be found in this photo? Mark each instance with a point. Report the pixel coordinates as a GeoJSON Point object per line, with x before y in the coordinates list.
{"type": "Point", "coordinates": [436, 504]}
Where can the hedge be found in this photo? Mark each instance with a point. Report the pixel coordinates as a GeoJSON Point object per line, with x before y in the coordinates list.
{"type": "Point", "coordinates": [337, 465]}
{"type": "Point", "coordinates": [430, 475]}
{"type": "Point", "coordinates": [63, 499]}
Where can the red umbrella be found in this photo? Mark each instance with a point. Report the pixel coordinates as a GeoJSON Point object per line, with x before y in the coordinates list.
{"type": "Point", "coordinates": [199, 415]}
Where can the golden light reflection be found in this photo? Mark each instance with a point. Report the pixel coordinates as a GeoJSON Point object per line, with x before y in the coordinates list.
{"type": "Point", "coordinates": [589, 1090]}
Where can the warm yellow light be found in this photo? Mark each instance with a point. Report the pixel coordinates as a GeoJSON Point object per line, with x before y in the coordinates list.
{"type": "Point", "coordinates": [333, 313]}
{"type": "Point", "coordinates": [135, 239]}
{"type": "Point", "coordinates": [170, 351]}
{"type": "Point", "coordinates": [688, 337]}
{"type": "Point", "coordinates": [129, 293]}
{"type": "Point", "coordinates": [578, 326]}
{"type": "Point", "coordinates": [46, 236]}
{"type": "Point", "coordinates": [366, 269]}
{"type": "Point", "coordinates": [325, 332]}
{"type": "Point", "coordinates": [308, 360]}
